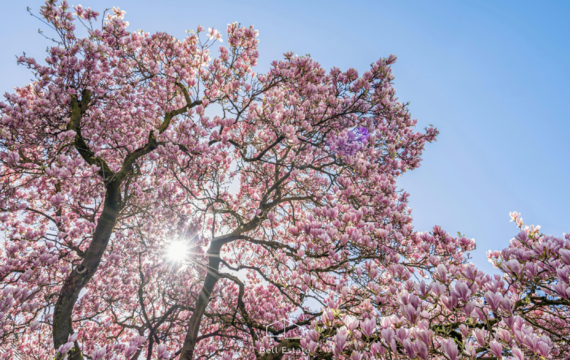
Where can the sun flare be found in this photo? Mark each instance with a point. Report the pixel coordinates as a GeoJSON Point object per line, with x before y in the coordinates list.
{"type": "Point", "coordinates": [177, 251]}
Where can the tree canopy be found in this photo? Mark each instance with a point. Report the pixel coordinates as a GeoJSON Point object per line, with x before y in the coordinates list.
{"type": "Point", "coordinates": [162, 200]}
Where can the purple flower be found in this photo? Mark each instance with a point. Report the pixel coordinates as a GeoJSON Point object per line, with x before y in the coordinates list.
{"type": "Point", "coordinates": [470, 272]}
{"type": "Point", "coordinates": [130, 351]}
{"type": "Point", "coordinates": [505, 335]}
{"type": "Point", "coordinates": [377, 348]}
{"type": "Point", "coordinates": [450, 302]}
{"type": "Point", "coordinates": [362, 134]}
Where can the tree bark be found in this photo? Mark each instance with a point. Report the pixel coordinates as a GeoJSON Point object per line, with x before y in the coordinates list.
{"type": "Point", "coordinates": [212, 277]}
{"type": "Point", "coordinates": [80, 276]}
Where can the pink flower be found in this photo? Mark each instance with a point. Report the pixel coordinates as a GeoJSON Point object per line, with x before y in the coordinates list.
{"type": "Point", "coordinates": [71, 338]}
{"type": "Point", "coordinates": [356, 356]}
{"type": "Point", "coordinates": [99, 354]}
{"type": "Point", "coordinates": [442, 272]}
{"type": "Point", "coordinates": [517, 353]}
{"type": "Point", "coordinates": [373, 272]}
{"type": "Point", "coordinates": [351, 322]}
{"type": "Point", "coordinates": [313, 335]}
{"type": "Point", "coordinates": [63, 349]}
{"type": "Point", "coordinates": [507, 304]}
{"type": "Point", "coordinates": [34, 325]}
{"type": "Point", "coordinates": [422, 287]}
{"type": "Point", "coordinates": [562, 289]}
{"type": "Point", "coordinates": [313, 346]}
{"type": "Point", "coordinates": [463, 291]}
{"type": "Point", "coordinates": [565, 255]}
{"type": "Point", "coordinates": [409, 347]}
{"type": "Point", "coordinates": [468, 308]}
{"type": "Point", "coordinates": [340, 339]}
{"type": "Point", "coordinates": [328, 316]}
{"type": "Point", "coordinates": [388, 335]}
{"type": "Point", "coordinates": [410, 313]}
{"type": "Point", "coordinates": [425, 336]}
{"type": "Point", "coordinates": [57, 200]}
{"type": "Point", "coordinates": [377, 348]}
{"type": "Point", "coordinates": [12, 157]}
{"type": "Point", "coordinates": [368, 327]}
{"type": "Point", "coordinates": [421, 349]}
{"type": "Point", "coordinates": [530, 340]}
{"type": "Point", "coordinates": [493, 299]}
{"type": "Point", "coordinates": [402, 334]}
{"type": "Point", "coordinates": [514, 266]}
{"type": "Point", "coordinates": [480, 336]}
{"type": "Point", "coordinates": [496, 348]}
{"type": "Point", "coordinates": [504, 335]}
{"type": "Point", "coordinates": [450, 349]}
{"type": "Point", "coordinates": [130, 351]}
{"type": "Point", "coordinates": [450, 302]}
{"type": "Point", "coordinates": [161, 352]}
{"type": "Point", "coordinates": [542, 349]}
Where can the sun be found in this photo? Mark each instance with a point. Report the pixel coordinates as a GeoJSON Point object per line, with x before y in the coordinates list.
{"type": "Point", "coordinates": [177, 251]}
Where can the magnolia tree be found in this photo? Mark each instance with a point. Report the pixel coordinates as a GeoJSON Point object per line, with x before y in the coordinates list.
{"type": "Point", "coordinates": [160, 202]}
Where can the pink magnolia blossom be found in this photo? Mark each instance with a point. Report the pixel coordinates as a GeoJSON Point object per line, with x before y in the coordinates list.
{"type": "Point", "coordinates": [368, 327]}
{"type": "Point", "coordinates": [496, 348]}
{"type": "Point", "coordinates": [450, 349]}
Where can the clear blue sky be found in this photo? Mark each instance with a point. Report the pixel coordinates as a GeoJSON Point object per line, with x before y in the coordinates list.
{"type": "Point", "coordinates": [493, 76]}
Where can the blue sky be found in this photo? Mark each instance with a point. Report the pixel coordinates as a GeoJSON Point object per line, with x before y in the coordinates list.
{"type": "Point", "coordinates": [493, 76]}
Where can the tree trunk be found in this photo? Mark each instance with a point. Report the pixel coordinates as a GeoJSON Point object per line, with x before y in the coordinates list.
{"type": "Point", "coordinates": [212, 278]}
{"type": "Point", "coordinates": [82, 274]}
